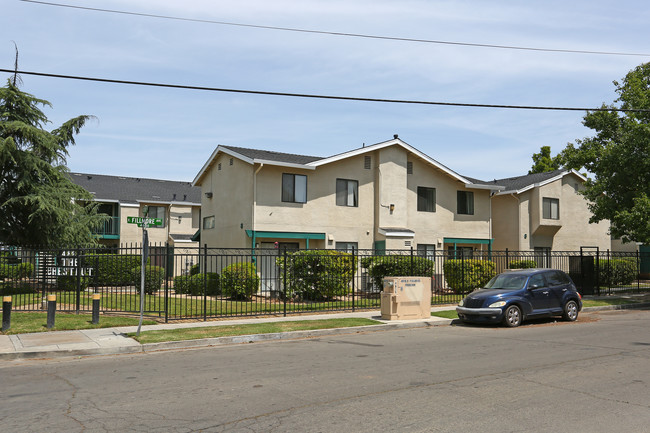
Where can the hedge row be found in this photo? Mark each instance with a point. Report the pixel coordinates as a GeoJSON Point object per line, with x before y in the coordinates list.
{"type": "Point", "coordinates": [466, 275]}
{"type": "Point", "coordinates": [193, 284]}
{"type": "Point", "coordinates": [16, 271]}
{"type": "Point", "coordinates": [317, 275]}
{"type": "Point", "coordinates": [522, 264]}
{"type": "Point", "coordinates": [397, 266]}
{"type": "Point", "coordinates": [617, 271]}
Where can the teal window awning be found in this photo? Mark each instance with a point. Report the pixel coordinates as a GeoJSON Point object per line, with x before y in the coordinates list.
{"type": "Point", "coordinates": [307, 236]}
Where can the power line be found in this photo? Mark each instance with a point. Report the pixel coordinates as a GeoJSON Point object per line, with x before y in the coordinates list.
{"type": "Point", "coordinates": [315, 96]}
{"type": "Point", "coordinates": [330, 33]}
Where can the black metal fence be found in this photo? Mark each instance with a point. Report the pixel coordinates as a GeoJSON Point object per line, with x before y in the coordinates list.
{"type": "Point", "coordinates": [204, 283]}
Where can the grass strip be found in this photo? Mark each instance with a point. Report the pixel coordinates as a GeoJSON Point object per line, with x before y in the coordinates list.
{"type": "Point", "coordinates": [25, 323]}
{"type": "Point", "coordinates": [447, 314]}
{"type": "Point", "coordinates": [247, 329]}
{"type": "Point", "coordinates": [605, 302]}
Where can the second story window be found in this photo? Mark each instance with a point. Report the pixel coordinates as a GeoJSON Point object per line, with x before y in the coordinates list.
{"type": "Point", "coordinates": [465, 202]}
{"type": "Point", "coordinates": [551, 208]}
{"type": "Point", "coordinates": [347, 192]}
{"type": "Point", "coordinates": [426, 199]}
{"type": "Point", "coordinates": [157, 212]}
{"type": "Point", "coordinates": [294, 188]}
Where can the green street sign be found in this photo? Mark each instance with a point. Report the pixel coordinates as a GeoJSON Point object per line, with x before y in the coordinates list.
{"type": "Point", "coordinates": [140, 221]}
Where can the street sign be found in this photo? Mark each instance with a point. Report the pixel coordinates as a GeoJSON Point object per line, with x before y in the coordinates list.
{"type": "Point", "coordinates": [141, 220]}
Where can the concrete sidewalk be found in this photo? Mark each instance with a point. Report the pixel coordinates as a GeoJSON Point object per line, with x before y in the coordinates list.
{"type": "Point", "coordinates": [111, 341]}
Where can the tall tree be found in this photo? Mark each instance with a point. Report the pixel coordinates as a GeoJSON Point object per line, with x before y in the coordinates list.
{"type": "Point", "coordinates": [543, 162]}
{"type": "Point", "coordinates": [618, 158]}
{"type": "Point", "coordinates": [39, 204]}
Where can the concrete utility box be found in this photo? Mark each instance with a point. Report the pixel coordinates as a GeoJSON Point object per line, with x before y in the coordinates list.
{"type": "Point", "coordinates": [406, 298]}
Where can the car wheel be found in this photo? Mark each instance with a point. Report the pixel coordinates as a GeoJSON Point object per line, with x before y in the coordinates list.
{"type": "Point", "coordinates": [570, 311]}
{"type": "Point", "coordinates": [512, 316]}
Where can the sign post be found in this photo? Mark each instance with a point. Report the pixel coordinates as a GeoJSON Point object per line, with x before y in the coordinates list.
{"type": "Point", "coordinates": [143, 222]}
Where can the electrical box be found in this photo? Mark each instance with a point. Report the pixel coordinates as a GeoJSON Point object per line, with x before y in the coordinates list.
{"type": "Point", "coordinates": [406, 298]}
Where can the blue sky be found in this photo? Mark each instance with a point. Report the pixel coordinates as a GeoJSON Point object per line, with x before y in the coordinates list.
{"type": "Point", "coordinates": [170, 133]}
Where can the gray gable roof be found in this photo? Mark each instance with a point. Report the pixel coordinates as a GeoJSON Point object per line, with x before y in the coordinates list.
{"type": "Point", "coordinates": [268, 155]}
{"type": "Point", "coordinates": [520, 182]}
{"type": "Point", "coordinates": [132, 190]}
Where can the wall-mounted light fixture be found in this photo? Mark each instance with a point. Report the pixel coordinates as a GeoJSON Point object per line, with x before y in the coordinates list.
{"type": "Point", "coordinates": [391, 207]}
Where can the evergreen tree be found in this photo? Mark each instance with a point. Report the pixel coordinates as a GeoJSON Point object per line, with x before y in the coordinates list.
{"type": "Point", "coordinates": [39, 204]}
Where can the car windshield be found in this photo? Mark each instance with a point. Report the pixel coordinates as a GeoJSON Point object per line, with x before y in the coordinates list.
{"type": "Point", "coordinates": [507, 282]}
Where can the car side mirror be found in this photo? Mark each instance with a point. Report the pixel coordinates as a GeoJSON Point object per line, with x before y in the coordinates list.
{"type": "Point", "coordinates": [533, 286]}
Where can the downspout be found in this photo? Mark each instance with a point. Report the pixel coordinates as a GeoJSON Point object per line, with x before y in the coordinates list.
{"type": "Point", "coordinates": [254, 204]}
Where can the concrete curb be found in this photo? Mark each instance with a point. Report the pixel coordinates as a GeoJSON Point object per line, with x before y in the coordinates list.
{"type": "Point", "coordinates": [253, 338]}
{"type": "Point", "coordinates": [293, 335]}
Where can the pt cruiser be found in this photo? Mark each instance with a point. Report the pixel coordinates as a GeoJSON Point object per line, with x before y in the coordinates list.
{"type": "Point", "coordinates": [514, 296]}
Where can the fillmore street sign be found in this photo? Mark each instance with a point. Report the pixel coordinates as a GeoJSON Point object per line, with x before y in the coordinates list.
{"type": "Point", "coordinates": [142, 220]}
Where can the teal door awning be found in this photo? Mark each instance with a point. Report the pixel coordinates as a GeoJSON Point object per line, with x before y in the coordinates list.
{"type": "Point", "coordinates": [307, 236]}
{"type": "Point", "coordinates": [457, 241]}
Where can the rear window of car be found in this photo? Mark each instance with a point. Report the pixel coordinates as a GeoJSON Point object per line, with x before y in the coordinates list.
{"type": "Point", "coordinates": [557, 278]}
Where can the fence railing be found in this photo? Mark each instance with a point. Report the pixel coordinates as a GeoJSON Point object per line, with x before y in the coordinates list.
{"type": "Point", "coordinates": [203, 283]}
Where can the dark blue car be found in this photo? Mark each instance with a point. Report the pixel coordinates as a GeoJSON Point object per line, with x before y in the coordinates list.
{"type": "Point", "coordinates": [514, 296]}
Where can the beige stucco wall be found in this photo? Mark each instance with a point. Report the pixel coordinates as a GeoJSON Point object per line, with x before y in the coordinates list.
{"type": "Point", "coordinates": [505, 223]}
{"type": "Point", "coordinates": [230, 204]}
{"type": "Point", "coordinates": [433, 227]}
{"type": "Point", "coordinates": [320, 214]}
{"type": "Point", "coordinates": [385, 183]}
{"type": "Point", "coordinates": [129, 233]}
{"type": "Point", "coordinates": [570, 232]}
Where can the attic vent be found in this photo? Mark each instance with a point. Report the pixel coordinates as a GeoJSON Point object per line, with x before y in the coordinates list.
{"type": "Point", "coordinates": [231, 161]}
{"type": "Point", "coordinates": [409, 167]}
{"type": "Point", "coordinates": [407, 243]}
{"type": "Point", "coordinates": [367, 162]}
{"type": "Point", "coordinates": [219, 166]}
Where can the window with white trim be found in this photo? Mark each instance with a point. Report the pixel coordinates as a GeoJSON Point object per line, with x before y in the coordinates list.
{"type": "Point", "coordinates": [551, 208]}
{"type": "Point", "coordinates": [294, 188]}
{"type": "Point", "coordinates": [347, 192]}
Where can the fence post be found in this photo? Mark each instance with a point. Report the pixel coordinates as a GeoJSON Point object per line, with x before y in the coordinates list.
{"type": "Point", "coordinates": [353, 272]}
{"type": "Point", "coordinates": [411, 264]}
{"type": "Point", "coordinates": [166, 301]}
{"type": "Point", "coordinates": [638, 271]}
{"type": "Point", "coordinates": [78, 272]}
{"type": "Point", "coordinates": [205, 282]}
{"type": "Point", "coordinates": [598, 270]}
{"type": "Point", "coordinates": [507, 259]}
{"type": "Point", "coordinates": [284, 286]}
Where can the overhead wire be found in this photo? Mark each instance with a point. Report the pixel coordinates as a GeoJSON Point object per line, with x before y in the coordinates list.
{"type": "Point", "coordinates": [332, 33]}
{"type": "Point", "coordinates": [316, 96]}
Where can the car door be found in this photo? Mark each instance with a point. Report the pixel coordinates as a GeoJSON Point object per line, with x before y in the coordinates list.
{"type": "Point", "coordinates": [538, 293]}
{"type": "Point", "coordinates": [558, 284]}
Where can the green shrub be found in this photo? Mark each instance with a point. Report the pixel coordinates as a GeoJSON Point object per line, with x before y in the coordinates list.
{"type": "Point", "coordinates": [522, 264]}
{"type": "Point", "coordinates": [466, 275]}
{"type": "Point", "coordinates": [69, 282]}
{"type": "Point", "coordinates": [112, 269]}
{"type": "Point", "coordinates": [153, 278]}
{"type": "Point", "coordinates": [617, 271]}
{"type": "Point", "coordinates": [239, 281]}
{"type": "Point", "coordinates": [317, 274]}
{"type": "Point", "coordinates": [397, 266]}
{"type": "Point", "coordinates": [195, 269]}
{"type": "Point", "coordinates": [16, 271]}
{"type": "Point", "coordinates": [193, 284]}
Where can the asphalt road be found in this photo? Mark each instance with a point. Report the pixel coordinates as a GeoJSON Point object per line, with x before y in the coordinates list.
{"type": "Point", "coordinates": [589, 376]}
